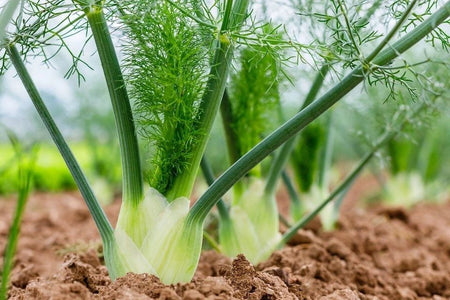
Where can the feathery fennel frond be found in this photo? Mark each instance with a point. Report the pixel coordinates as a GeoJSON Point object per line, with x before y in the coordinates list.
{"type": "Point", "coordinates": [254, 92]}
{"type": "Point", "coordinates": [341, 28]}
{"type": "Point", "coordinates": [42, 30]}
{"type": "Point", "coordinates": [424, 9]}
{"type": "Point", "coordinates": [166, 62]}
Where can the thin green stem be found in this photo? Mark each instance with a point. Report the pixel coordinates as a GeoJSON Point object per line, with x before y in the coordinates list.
{"type": "Point", "coordinates": [327, 153]}
{"type": "Point", "coordinates": [284, 221]}
{"type": "Point", "coordinates": [343, 8]}
{"type": "Point", "coordinates": [391, 33]}
{"type": "Point", "coordinates": [209, 177]}
{"type": "Point", "coordinates": [186, 13]}
{"type": "Point", "coordinates": [226, 16]}
{"type": "Point", "coordinates": [131, 169]}
{"type": "Point", "coordinates": [232, 139]}
{"type": "Point", "coordinates": [238, 15]}
{"type": "Point", "coordinates": [100, 219]}
{"type": "Point", "coordinates": [212, 242]}
{"type": "Point", "coordinates": [201, 208]}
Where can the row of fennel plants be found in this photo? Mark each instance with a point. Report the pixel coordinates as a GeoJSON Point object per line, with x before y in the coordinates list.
{"type": "Point", "coordinates": [177, 60]}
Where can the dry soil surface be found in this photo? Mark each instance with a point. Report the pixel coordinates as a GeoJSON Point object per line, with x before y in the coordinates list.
{"type": "Point", "coordinates": [379, 253]}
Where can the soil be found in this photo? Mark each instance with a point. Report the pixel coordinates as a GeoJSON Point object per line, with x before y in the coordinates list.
{"type": "Point", "coordinates": [376, 253]}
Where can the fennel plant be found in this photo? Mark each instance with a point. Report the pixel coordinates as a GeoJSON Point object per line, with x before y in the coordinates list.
{"type": "Point", "coordinates": [177, 60]}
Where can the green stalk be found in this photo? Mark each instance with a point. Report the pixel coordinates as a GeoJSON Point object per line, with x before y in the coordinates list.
{"type": "Point", "coordinates": [226, 16]}
{"type": "Point", "coordinates": [201, 208]}
{"type": "Point", "coordinates": [211, 99]}
{"type": "Point", "coordinates": [343, 9]}
{"type": "Point", "coordinates": [212, 242]}
{"type": "Point", "coordinates": [232, 140]}
{"type": "Point", "coordinates": [230, 134]}
{"type": "Point", "coordinates": [100, 219]}
{"type": "Point", "coordinates": [324, 169]}
{"type": "Point", "coordinates": [283, 220]}
{"type": "Point", "coordinates": [131, 168]}
{"type": "Point", "coordinates": [25, 178]}
{"type": "Point", "coordinates": [290, 187]}
{"type": "Point", "coordinates": [296, 208]}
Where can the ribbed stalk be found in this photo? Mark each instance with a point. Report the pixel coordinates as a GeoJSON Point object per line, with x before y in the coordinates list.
{"type": "Point", "coordinates": [103, 225]}
{"type": "Point", "coordinates": [131, 168]}
{"type": "Point", "coordinates": [201, 208]}
{"type": "Point", "coordinates": [232, 140]}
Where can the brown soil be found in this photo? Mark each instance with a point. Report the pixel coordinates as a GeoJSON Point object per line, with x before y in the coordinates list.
{"type": "Point", "coordinates": [382, 253]}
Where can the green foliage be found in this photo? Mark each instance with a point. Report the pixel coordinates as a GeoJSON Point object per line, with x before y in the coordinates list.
{"type": "Point", "coordinates": [50, 172]}
{"type": "Point", "coordinates": [166, 62]}
{"type": "Point", "coordinates": [254, 94]}
{"type": "Point", "coordinates": [40, 32]}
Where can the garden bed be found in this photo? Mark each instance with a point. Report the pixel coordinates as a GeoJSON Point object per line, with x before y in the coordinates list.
{"type": "Point", "coordinates": [379, 253]}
